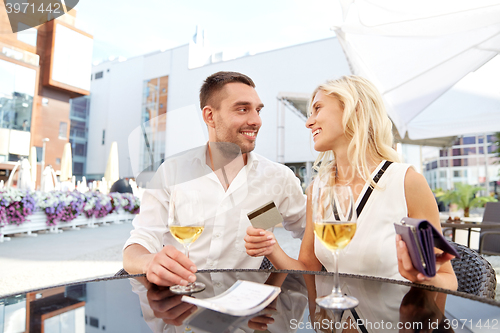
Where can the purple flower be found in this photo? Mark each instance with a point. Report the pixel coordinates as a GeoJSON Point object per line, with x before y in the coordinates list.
{"type": "Point", "coordinates": [16, 206]}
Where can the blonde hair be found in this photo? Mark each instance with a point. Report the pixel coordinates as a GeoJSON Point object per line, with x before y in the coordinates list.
{"type": "Point", "coordinates": [365, 122]}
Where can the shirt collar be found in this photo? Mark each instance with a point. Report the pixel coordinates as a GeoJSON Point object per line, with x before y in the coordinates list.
{"type": "Point", "coordinates": [252, 158]}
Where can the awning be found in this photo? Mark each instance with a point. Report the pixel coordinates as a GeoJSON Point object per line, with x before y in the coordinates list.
{"type": "Point", "coordinates": [415, 51]}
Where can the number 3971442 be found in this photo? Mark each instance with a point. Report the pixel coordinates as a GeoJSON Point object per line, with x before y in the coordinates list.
{"type": "Point", "coordinates": [32, 8]}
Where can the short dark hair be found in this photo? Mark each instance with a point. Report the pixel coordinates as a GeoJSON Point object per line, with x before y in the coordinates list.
{"type": "Point", "coordinates": [216, 82]}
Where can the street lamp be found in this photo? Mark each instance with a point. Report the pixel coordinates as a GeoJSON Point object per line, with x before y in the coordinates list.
{"type": "Point", "coordinates": [43, 153]}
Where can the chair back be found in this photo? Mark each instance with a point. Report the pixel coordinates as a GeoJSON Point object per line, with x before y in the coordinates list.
{"type": "Point", "coordinates": [475, 274]}
{"type": "Point", "coordinates": [489, 241]}
{"type": "Point", "coordinates": [492, 212]}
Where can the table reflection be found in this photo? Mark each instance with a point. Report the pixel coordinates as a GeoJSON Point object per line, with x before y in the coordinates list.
{"type": "Point", "coordinates": [134, 305]}
{"type": "Point", "coordinates": [385, 306]}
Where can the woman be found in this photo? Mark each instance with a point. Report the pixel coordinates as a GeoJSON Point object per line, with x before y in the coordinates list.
{"type": "Point", "coordinates": [351, 129]}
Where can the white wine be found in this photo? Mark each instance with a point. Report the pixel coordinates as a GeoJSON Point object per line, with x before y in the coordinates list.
{"type": "Point", "coordinates": [186, 235]}
{"type": "Point", "coordinates": [335, 235]}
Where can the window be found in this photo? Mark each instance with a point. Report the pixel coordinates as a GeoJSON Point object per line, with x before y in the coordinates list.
{"type": "Point", "coordinates": [457, 173]}
{"type": "Point", "coordinates": [94, 322]}
{"type": "Point", "coordinates": [443, 152]}
{"type": "Point", "coordinates": [443, 164]}
{"type": "Point", "coordinates": [39, 153]}
{"type": "Point", "coordinates": [99, 75]}
{"type": "Point", "coordinates": [79, 149]}
{"type": "Point", "coordinates": [469, 140]}
{"type": "Point", "coordinates": [457, 162]}
{"type": "Point", "coordinates": [79, 107]}
{"type": "Point", "coordinates": [16, 95]}
{"type": "Point", "coordinates": [456, 152]}
{"type": "Point", "coordinates": [442, 174]}
{"type": "Point", "coordinates": [470, 151]}
{"type": "Point", "coordinates": [63, 130]}
{"type": "Point", "coordinates": [58, 161]}
{"type": "Point", "coordinates": [434, 165]}
{"type": "Point", "coordinates": [78, 168]}
{"type": "Point", "coordinates": [77, 129]}
{"type": "Point", "coordinates": [103, 136]}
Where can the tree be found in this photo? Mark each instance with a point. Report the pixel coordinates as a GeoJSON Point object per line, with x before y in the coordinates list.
{"type": "Point", "coordinates": [497, 144]}
{"type": "Point", "coordinates": [497, 151]}
{"type": "Point", "coordinates": [465, 197]}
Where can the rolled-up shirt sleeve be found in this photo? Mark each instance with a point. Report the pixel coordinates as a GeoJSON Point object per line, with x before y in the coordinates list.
{"type": "Point", "coordinates": [150, 225]}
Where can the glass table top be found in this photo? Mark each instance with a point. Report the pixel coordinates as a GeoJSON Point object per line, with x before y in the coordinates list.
{"type": "Point", "coordinates": [131, 304]}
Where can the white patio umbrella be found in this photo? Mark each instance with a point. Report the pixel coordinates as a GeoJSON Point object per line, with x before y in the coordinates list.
{"type": "Point", "coordinates": [415, 50]}
{"type": "Point", "coordinates": [24, 175]}
{"type": "Point", "coordinates": [33, 164]}
{"type": "Point", "coordinates": [112, 173]}
{"type": "Point", "coordinates": [48, 181]}
{"type": "Point", "coordinates": [82, 186]}
{"type": "Point", "coordinates": [66, 164]}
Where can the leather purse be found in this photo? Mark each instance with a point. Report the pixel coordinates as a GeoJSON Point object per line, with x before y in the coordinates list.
{"type": "Point", "coordinates": [421, 238]}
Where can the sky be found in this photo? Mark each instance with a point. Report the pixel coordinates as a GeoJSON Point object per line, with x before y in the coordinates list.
{"type": "Point", "coordinates": [129, 28]}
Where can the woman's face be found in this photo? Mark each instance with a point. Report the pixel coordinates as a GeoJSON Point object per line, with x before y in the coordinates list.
{"type": "Point", "coordinates": [325, 123]}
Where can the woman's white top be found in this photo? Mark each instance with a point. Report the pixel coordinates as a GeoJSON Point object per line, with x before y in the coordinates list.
{"type": "Point", "coordinates": [372, 251]}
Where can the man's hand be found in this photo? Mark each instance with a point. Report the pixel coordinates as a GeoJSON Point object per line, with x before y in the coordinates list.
{"type": "Point", "coordinates": [169, 267]}
{"type": "Point", "coordinates": [168, 306]}
{"type": "Point", "coordinates": [259, 242]}
{"type": "Point", "coordinates": [405, 265]}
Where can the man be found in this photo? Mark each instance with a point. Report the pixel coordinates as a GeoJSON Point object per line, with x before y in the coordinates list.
{"type": "Point", "coordinates": [233, 181]}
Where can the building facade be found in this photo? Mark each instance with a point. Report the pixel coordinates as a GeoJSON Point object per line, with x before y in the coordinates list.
{"type": "Point", "coordinates": [41, 70]}
{"type": "Point", "coordinates": [149, 104]}
{"type": "Point", "coordinates": [470, 160]}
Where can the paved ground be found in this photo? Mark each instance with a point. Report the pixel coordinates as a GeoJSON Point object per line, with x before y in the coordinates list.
{"type": "Point", "coordinates": [49, 259]}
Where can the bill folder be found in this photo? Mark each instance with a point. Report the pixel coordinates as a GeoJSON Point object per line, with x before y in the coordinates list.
{"type": "Point", "coordinates": [421, 238]}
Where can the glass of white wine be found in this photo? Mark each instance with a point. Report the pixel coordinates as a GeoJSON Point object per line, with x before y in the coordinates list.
{"type": "Point", "coordinates": [334, 217]}
{"type": "Point", "coordinates": [186, 223]}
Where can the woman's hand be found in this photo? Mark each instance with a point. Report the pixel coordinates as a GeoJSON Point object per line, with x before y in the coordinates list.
{"type": "Point", "coordinates": [409, 272]}
{"type": "Point", "coordinates": [259, 242]}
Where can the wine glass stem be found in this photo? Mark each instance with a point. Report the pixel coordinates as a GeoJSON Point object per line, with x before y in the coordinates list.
{"type": "Point", "coordinates": [186, 250]}
{"type": "Point", "coordinates": [336, 289]}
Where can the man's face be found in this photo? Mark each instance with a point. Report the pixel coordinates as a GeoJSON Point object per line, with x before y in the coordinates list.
{"type": "Point", "coordinates": [237, 119]}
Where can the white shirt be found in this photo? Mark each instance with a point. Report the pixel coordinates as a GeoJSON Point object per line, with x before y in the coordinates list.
{"type": "Point", "coordinates": [221, 244]}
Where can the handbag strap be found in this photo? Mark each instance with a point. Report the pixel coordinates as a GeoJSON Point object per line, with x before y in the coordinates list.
{"type": "Point", "coordinates": [369, 190]}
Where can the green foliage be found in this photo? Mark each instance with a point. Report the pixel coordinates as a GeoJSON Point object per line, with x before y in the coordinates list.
{"type": "Point", "coordinates": [465, 197]}
{"type": "Point", "coordinates": [497, 151]}
{"type": "Point", "coordinates": [497, 143]}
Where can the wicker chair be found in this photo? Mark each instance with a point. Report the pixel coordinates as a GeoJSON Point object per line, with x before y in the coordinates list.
{"type": "Point", "coordinates": [266, 264]}
{"type": "Point", "coordinates": [474, 274]}
{"type": "Point", "coordinates": [121, 272]}
{"type": "Point", "coordinates": [489, 242]}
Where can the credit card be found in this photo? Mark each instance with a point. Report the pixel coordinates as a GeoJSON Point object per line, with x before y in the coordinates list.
{"type": "Point", "coordinates": [265, 217]}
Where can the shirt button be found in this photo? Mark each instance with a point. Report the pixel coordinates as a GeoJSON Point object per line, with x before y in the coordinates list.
{"type": "Point", "coordinates": [210, 264]}
{"type": "Point", "coordinates": [216, 235]}
{"type": "Point", "coordinates": [218, 284]}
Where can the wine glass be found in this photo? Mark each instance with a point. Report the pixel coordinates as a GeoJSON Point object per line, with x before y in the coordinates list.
{"type": "Point", "coordinates": [334, 217]}
{"type": "Point", "coordinates": [186, 223]}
